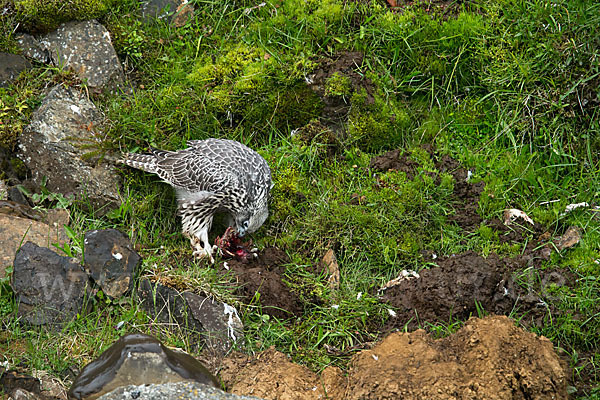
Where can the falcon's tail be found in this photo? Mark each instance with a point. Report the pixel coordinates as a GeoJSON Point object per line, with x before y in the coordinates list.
{"type": "Point", "coordinates": [145, 162]}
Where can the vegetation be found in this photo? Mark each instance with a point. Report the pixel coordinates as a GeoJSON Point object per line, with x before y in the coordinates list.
{"type": "Point", "coordinates": [508, 88]}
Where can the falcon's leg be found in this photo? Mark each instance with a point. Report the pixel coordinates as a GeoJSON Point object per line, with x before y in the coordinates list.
{"type": "Point", "coordinates": [196, 228]}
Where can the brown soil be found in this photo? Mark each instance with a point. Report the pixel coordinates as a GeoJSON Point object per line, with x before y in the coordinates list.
{"type": "Point", "coordinates": [336, 107]}
{"type": "Point", "coordinates": [488, 358]}
{"type": "Point", "coordinates": [465, 196]}
{"type": "Point", "coordinates": [264, 275]}
{"type": "Point", "coordinates": [450, 291]}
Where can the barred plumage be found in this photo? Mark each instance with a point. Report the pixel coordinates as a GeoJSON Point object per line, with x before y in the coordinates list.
{"type": "Point", "coordinates": [212, 175]}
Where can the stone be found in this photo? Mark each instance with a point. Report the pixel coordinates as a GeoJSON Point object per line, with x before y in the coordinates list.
{"type": "Point", "coordinates": [33, 49]}
{"type": "Point", "coordinates": [52, 147]}
{"type": "Point", "coordinates": [11, 65]}
{"type": "Point", "coordinates": [216, 323]}
{"type": "Point", "coordinates": [169, 391]}
{"type": "Point", "coordinates": [49, 289]}
{"type": "Point", "coordinates": [221, 324]}
{"type": "Point", "coordinates": [110, 260]}
{"type": "Point", "coordinates": [137, 359]}
{"type": "Point", "coordinates": [177, 12]}
{"type": "Point", "coordinates": [20, 224]}
{"type": "Point", "coordinates": [86, 49]}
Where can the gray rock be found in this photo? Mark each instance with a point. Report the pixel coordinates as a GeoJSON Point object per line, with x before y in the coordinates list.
{"type": "Point", "coordinates": [221, 324]}
{"type": "Point", "coordinates": [33, 49]}
{"type": "Point", "coordinates": [176, 12]}
{"type": "Point", "coordinates": [19, 223]}
{"type": "Point", "coordinates": [217, 324]}
{"type": "Point", "coordinates": [110, 261]}
{"type": "Point", "coordinates": [85, 48]}
{"type": "Point", "coordinates": [137, 359]}
{"type": "Point", "coordinates": [54, 143]}
{"type": "Point", "coordinates": [49, 288]}
{"type": "Point", "coordinates": [11, 65]}
{"type": "Point", "coordinates": [169, 391]}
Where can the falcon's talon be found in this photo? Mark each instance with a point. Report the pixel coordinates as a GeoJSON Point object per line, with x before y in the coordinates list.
{"type": "Point", "coordinates": [209, 176]}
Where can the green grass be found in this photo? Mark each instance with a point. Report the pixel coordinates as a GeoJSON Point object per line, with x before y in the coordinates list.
{"type": "Point", "coordinates": [509, 89]}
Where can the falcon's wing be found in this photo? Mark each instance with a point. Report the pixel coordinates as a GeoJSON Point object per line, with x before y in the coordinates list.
{"type": "Point", "coordinates": [195, 170]}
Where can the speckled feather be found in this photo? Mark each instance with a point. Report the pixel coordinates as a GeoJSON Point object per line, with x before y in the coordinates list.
{"type": "Point", "coordinates": [209, 176]}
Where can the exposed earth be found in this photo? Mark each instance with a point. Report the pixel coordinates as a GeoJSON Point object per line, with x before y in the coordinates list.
{"type": "Point", "coordinates": [488, 358]}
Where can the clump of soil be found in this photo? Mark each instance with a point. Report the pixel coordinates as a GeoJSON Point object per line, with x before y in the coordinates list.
{"type": "Point", "coordinates": [336, 107]}
{"type": "Point", "coordinates": [488, 358]}
{"type": "Point", "coordinates": [263, 275]}
{"type": "Point", "coordinates": [450, 291]}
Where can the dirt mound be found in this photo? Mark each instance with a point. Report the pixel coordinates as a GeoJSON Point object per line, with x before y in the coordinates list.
{"type": "Point", "coordinates": [271, 375]}
{"type": "Point", "coordinates": [260, 281]}
{"type": "Point", "coordinates": [453, 291]}
{"type": "Point", "coordinates": [488, 358]}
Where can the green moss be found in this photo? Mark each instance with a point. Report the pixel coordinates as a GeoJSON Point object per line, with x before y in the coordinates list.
{"type": "Point", "coordinates": [284, 196]}
{"type": "Point", "coordinates": [338, 85]}
{"type": "Point", "coordinates": [377, 125]}
{"type": "Point", "coordinates": [248, 88]}
{"type": "Point", "coordinates": [44, 15]}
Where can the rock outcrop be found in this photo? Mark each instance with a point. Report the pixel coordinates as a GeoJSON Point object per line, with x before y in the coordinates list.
{"type": "Point", "coordinates": [55, 143]}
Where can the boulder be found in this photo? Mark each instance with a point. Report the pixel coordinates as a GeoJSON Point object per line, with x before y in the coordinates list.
{"type": "Point", "coordinates": [110, 260]}
{"type": "Point", "coordinates": [86, 49]}
{"type": "Point", "coordinates": [215, 323]}
{"type": "Point", "coordinates": [168, 391]}
{"type": "Point", "coordinates": [11, 65]}
{"type": "Point", "coordinates": [137, 359]}
{"type": "Point", "coordinates": [62, 130]}
{"type": "Point", "coordinates": [49, 289]}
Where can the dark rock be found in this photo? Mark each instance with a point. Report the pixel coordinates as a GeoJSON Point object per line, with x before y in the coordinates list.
{"type": "Point", "coordinates": [54, 143]}
{"type": "Point", "coordinates": [177, 12]}
{"type": "Point", "coordinates": [14, 194]}
{"type": "Point", "coordinates": [216, 323]}
{"type": "Point", "coordinates": [168, 391]}
{"type": "Point", "coordinates": [85, 48]}
{"type": "Point", "coordinates": [11, 65]}
{"type": "Point", "coordinates": [49, 288]}
{"type": "Point", "coordinates": [110, 260]}
{"type": "Point", "coordinates": [137, 359]}
{"type": "Point", "coordinates": [221, 324]}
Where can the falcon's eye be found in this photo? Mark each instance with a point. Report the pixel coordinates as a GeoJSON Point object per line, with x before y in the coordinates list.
{"type": "Point", "coordinates": [245, 224]}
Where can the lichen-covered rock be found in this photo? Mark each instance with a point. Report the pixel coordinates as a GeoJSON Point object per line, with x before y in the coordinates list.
{"type": "Point", "coordinates": [137, 359]}
{"type": "Point", "coordinates": [178, 12]}
{"type": "Point", "coordinates": [33, 49]}
{"type": "Point", "coordinates": [216, 323]}
{"type": "Point", "coordinates": [49, 288]}
{"type": "Point", "coordinates": [110, 260]}
{"type": "Point", "coordinates": [11, 65]}
{"type": "Point", "coordinates": [86, 49]}
{"type": "Point", "coordinates": [62, 130]}
{"type": "Point", "coordinates": [168, 391]}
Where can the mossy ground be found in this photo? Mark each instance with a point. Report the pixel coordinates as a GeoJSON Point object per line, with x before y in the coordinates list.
{"type": "Point", "coordinates": [508, 88]}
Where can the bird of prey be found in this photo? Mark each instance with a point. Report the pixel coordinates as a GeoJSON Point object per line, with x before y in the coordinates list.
{"type": "Point", "coordinates": [210, 176]}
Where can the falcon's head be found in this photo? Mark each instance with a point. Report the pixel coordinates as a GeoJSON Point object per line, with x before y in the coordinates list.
{"type": "Point", "coordinates": [250, 221]}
